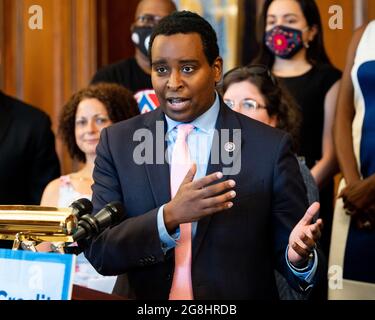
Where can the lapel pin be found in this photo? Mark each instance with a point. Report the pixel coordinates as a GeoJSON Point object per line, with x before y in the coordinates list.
{"type": "Point", "coordinates": [229, 146]}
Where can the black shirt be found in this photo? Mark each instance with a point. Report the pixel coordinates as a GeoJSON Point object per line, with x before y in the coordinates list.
{"type": "Point", "coordinates": [309, 91]}
{"type": "Point", "coordinates": [130, 75]}
{"type": "Point", "coordinates": [127, 73]}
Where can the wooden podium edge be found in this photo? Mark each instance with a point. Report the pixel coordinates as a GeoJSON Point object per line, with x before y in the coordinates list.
{"type": "Point", "coordinates": [83, 293]}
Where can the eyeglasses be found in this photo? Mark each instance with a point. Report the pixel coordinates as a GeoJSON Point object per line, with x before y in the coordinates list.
{"type": "Point", "coordinates": [249, 104]}
{"type": "Point", "coordinates": [243, 73]}
{"type": "Point", "coordinates": [148, 20]}
{"type": "Point", "coordinates": [261, 70]}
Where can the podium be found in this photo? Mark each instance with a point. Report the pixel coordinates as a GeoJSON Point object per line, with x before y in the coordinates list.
{"type": "Point", "coordinates": [83, 293]}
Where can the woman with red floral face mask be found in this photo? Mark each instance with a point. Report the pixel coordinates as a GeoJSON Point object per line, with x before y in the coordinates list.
{"type": "Point", "coordinates": [292, 47]}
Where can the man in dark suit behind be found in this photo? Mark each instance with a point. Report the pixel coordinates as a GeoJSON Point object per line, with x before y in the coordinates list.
{"type": "Point", "coordinates": [238, 237]}
{"type": "Point", "coordinates": [28, 160]}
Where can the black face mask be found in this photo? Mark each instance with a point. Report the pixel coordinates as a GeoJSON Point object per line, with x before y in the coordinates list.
{"type": "Point", "coordinates": [141, 38]}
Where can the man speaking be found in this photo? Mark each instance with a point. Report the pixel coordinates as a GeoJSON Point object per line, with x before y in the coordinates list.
{"type": "Point", "coordinates": [195, 227]}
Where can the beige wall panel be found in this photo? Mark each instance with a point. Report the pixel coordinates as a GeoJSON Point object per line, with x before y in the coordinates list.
{"type": "Point", "coordinates": [85, 41]}
{"type": "Point", "coordinates": [337, 40]}
{"type": "Point", "coordinates": [10, 45]}
{"type": "Point", "coordinates": [371, 9]}
{"type": "Point", "coordinates": [44, 67]}
{"type": "Point", "coordinates": [38, 58]}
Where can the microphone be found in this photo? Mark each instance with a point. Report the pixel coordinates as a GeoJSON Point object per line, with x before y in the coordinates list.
{"type": "Point", "coordinates": [81, 206]}
{"type": "Point", "coordinates": [89, 225]}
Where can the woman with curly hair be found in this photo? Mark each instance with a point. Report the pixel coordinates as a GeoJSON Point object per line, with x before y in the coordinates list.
{"type": "Point", "coordinates": [83, 117]}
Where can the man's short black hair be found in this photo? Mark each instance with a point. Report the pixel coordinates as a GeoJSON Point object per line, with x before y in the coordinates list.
{"type": "Point", "coordinates": [188, 22]}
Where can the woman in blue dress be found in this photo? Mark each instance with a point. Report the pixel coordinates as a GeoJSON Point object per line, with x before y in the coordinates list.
{"type": "Point", "coordinates": [352, 259]}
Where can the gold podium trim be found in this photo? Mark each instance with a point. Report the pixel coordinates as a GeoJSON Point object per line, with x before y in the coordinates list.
{"type": "Point", "coordinates": [37, 223]}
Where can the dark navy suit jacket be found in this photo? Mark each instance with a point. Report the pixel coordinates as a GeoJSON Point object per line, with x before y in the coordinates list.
{"type": "Point", "coordinates": [28, 160]}
{"type": "Point", "coordinates": [235, 251]}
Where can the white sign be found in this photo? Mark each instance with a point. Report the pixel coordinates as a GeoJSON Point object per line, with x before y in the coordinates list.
{"type": "Point", "coordinates": [26, 275]}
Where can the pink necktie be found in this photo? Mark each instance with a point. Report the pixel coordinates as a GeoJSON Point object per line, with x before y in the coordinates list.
{"type": "Point", "coordinates": [182, 288]}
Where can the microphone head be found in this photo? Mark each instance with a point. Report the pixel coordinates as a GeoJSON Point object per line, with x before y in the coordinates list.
{"type": "Point", "coordinates": [89, 225]}
{"type": "Point", "coordinates": [109, 215]}
{"type": "Point", "coordinates": [81, 207]}
{"type": "Point", "coordinates": [117, 210]}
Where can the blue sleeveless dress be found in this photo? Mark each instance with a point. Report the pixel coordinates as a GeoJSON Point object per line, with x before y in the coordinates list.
{"type": "Point", "coordinates": [353, 250]}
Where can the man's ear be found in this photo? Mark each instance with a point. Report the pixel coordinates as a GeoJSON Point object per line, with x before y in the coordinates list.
{"type": "Point", "coordinates": [217, 68]}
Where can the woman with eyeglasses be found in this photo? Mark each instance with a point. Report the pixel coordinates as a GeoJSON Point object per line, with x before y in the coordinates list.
{"type": "Point", "coordinates": [292, 47]}
{"type": "Point", "coordinates": [254, 92]}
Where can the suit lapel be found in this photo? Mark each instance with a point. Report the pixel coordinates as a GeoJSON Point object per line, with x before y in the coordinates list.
{"type": "Point", "coordinates": [5, 116]}
{"type": "Point", "coordinates": [158, 172]}
{"type": "Point", "coordinates": [226, 120]}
